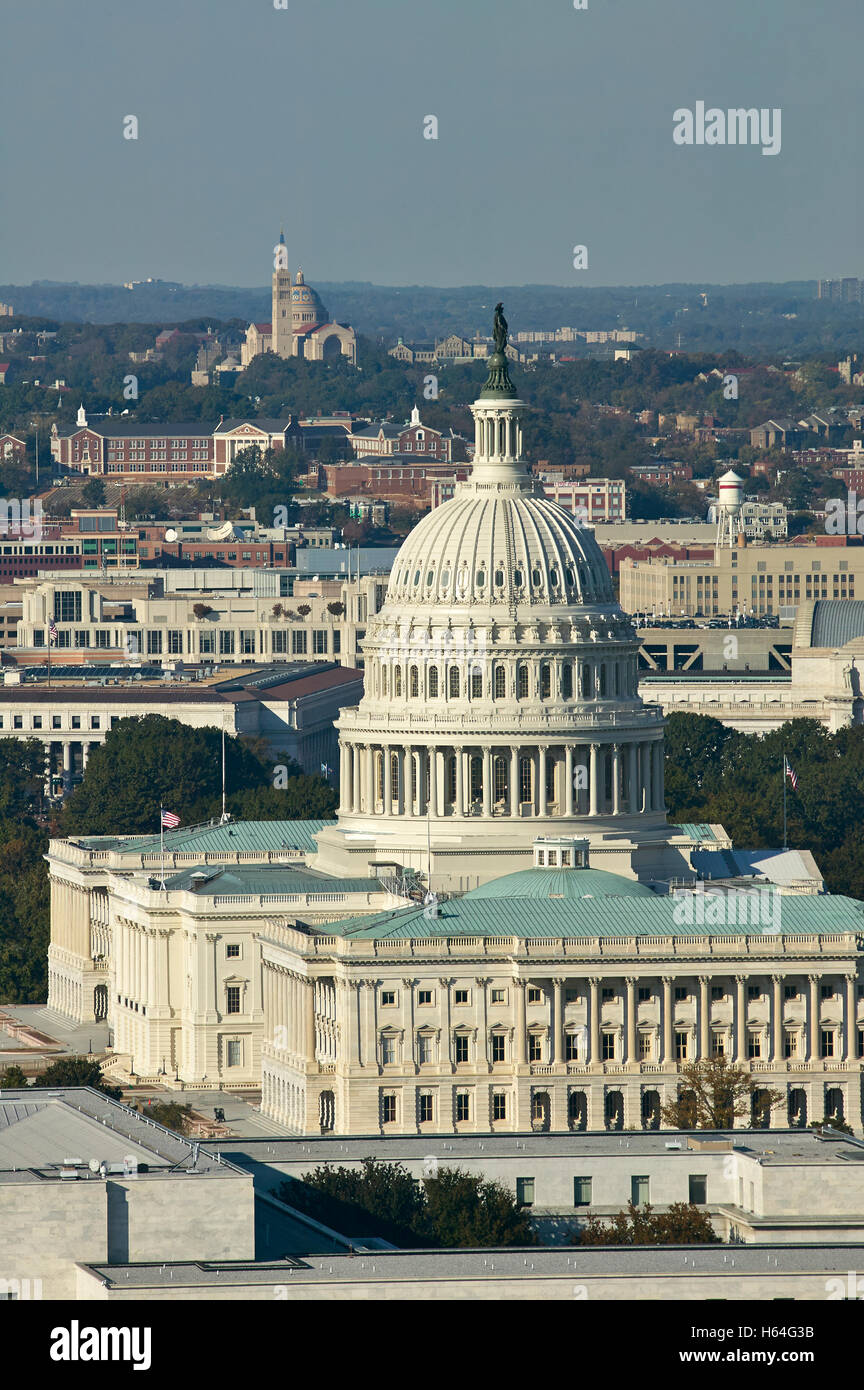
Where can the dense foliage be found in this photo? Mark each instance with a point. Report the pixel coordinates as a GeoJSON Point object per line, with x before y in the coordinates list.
{"type": "Point", "coordinates": [716, 774]}
{"type": "Point", "coordinates": [76, 1071]}
{"type": "Point", "coordinates": [714, 1093]}
{"type": "Point", "coordinates": [452, 1208]}
{"type": "Point", "coordinates": [681, 1224]}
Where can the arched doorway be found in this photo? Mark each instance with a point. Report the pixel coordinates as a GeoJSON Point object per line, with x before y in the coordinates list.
{"type": "Point", "coordinates": [100, 1002]}
{"type": "Point", "coordinates": [540, 1111]}
{"type": "Point", "coordinates": [797, 1108]}
{"type": "Point", "coordinates": [614, 1110]}
{"type": "Point", "coordinates": [650, 1110]}
{"type": "Point", "coordinates": [577, 1110]}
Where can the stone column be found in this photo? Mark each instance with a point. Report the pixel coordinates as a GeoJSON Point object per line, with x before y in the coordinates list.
{"type": "Point", "coordinates": [487, 781]}
{"type": "Point", "coordinates": [514, 781]}
{"type": "Point", "coordinates": [353, 1007]}
{"type": "Point", "coordinates": [541, 779]}
{"type": "Point", "coordinates": [594, 1021]}
{"type": "Point", "coordinates": [616, 781]}
{"type": "Point", "coordinates": [408, 986]}
{"type": "Point", "coordinates": [388, 780]}
{"type": "Point", "coordinates": [483, 1020]}
{"type": "Point", "coordinates": [740, 1020]}
{"type": "Point", "coordinates": [630, 1019]}
{"type": "Point", "coordinates": [593, 781]}
{"type": "Point", "coordinates": [67, 765]}
{"type": "Point", "coordinates": [777, 1018]}
{"type": "Point", "coordinates": [850, 1046]}
{"type": "Point", "coordinates": [447, 1051]}
{"type": "Point", "coordinates": [557, 1021]}
{"type": "Point", "coordinates": [666, 1020]}
{"type": "Point", "coordinates": [520, 996]}
{"type": "Point", "coordinates": [813, 1019]}
{"type": "Point", "coordinates": [633, 777]}
{"type": "Point", "coordinates": [344, 802]}
{"type": "Point", "coordinates": [308, 997]}
{"type": "Point", "coordinates": [371, 780]}
{"type": "Point", "coordinates": [568, 780]}
{"type": "Point", "coordinates": [408, 781]}
{"type": "Point", "coordinates": [704, 1017]}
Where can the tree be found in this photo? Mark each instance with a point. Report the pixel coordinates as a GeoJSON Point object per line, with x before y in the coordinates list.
{"type": "Point", "coordinates": [12, 1078]}
{"type": "Point", "coordinates": [76, 1071]}
{"type": "Point", "coordinates": [93, 493]}
{"type": "Point", "coordinates": [464, 1209]}
{"type": "Point", "coordinates": [168, 1113]}
{"type": "Point", "coordinates": [714, 1093]}
{"type": "Point", "coordinates": [682, 1224]}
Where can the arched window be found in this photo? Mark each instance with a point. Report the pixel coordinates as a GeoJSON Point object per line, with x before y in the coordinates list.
{"type": "Point", "coordinates": [413, 683]}
{"type": "Point", "coordinates": [567, 681]}
{"type": "Point", "coordinates": [433, 682]}
{"type": "Point", "coordinates": [394, 775]}
{"type": "Point", "coordinates": [476, 683]}
{"type": "Point", "coordinates": [545, 680]}
{"type": "Point", "coordinates": [500, 682]}
{"type": "Point", "coordinates": [522, 681]}
{"type": "Point", "coordinates": [475, 774]}
{"type": "Point", "coordinates": [450, 777]}
{"type": "Point", "coordinates": [587, 682]}
{"type": "Point", "coordinates": [453, 679]}
{"type": "Point", "coordinates": [499, 780]}
{"type": "Point", "coordinates": [397, 680]}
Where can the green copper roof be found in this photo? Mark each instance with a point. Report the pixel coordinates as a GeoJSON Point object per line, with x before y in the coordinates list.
{"type": "Point", "coordinates": [604, 917]}
{"type": "Point", "coordinates": [561, 883]}
{"type": "Point", "coordinates": [243, 837]}
{"type": "Point", "coordinates": [267, 879]}
{"type": "Point", "coordinates": [696, 832]}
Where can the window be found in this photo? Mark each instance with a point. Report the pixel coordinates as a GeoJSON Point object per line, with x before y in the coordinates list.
{"type": "Point", "coordinates": [644, 994]}
{"type": "Point", "coordinates": [681, 1046]}
{"type": "Point", "coordinates": [826, 1048]}
{"type": "Point", "coordinates": [247, 643]}
{"type": "Point", "coordinates": [498, 1047]}
{"type": "Point", "coordinates": [500, 685]}
{"type": "Point", "coordinates": [388, 1109]}
{"type": "Point", "coordinates": [571, 1047]}
{"type": "Point", "coordinates": [175, 643]}
{"type": "Point", "coordinates": [388, 998]}
{"type": "Point", "coordinates": [298, 648]}
{"type": "Point", "coordinates": [433, 682]}
{"type": "Point", "coordinates": [718, 1045]}
{"type": "Point", "coordinates": [424, 1049]}
{"type": "Point", "coordinates": [95, 721]}
{"type": "Point", "coordinates": [754, 992]}
{"type": "Point", "coordinates": [207, 642]}
{"type": "Point", "coordinates": [453, 679]}
{"type": "Point", "coordinates": [233, 999]}
{"type": "Point", "coordinates": [37, 721]}
{"type": "Point", "coordinates": [639, 1190]}
{"type": "Point", "coordinates": [608, 1047]}
{"type": "Point", "coordinates": [154, 643]}
{"type": "Point", "coordinates": [790, 992]}
{"type": "Point", "coordinates": [499, 996]}
{"type": "Point", "coordinates": [644, 1046]}
{"type": "Point", "coordinates": [499, 1106]}
{"type": "Point", "coordinates": [608, 994]}
{"type": "Point", "coordinates": [581, 1192]}
{"type": "Point", "coordinates": [233, 1052]}
{"type": "Point", "coordinates": [716, 992]}
{"type": "Point", "coordinates": [424, 1113]}
{"type": "Point", "coordinates": [56, 721]}
{"type": "Point", "coordinates": [522, 681]}
{"type": "Point", "coordinates": [698, 1188]}
{"type": "Point", "coordinates": [461, 996]}
{"type": "Point", "coordinates": [754, 1044]}
{"type": "Point", "coordinates": [232, 951]}
{"type": "Point", "coordinates": [535, 1047]}
{"type": "Point", "coordinates": [17, 721]}
{"type": "Point", "coordinates": [525, 1192]}
{"type": "Point", "coordinates": [424, 996]}
{"type": "Point", "coordinates": [388, 1050]}
{"type": "Point", "coordinates": [76, 721]}
{"type": "Point", "coordinates": [827, 991]}
{"type": "Point", "coordinates": [460, 1042]}
{"type": "Point", "coordinates": [680, 993]}
{"type": "Point", "coordinates": [790, 1044]}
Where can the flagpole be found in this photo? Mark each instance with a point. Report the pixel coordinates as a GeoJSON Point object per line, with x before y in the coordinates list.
{"type": "Point", "coordinates": [162, 844]}
{"type": "Point", "coordinates": [785, 845]}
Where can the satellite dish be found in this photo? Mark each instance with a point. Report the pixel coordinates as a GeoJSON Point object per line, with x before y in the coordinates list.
{"type": "Point", "coordinates": [170, 534]}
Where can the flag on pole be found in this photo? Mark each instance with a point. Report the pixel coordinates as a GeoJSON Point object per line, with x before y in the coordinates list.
{"type": "Point", "coordinates": [790, 773]}
{"type": "Point", "coordinates": [170, 820]}
{"type": "Point", "coordinates": [52, 630]}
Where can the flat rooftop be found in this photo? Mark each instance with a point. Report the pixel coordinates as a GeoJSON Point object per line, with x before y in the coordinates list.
{"type": "Point", "coordinates": [48, 1134]}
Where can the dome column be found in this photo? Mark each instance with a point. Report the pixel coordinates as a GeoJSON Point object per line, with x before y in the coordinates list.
{"type": "Point", "coordinates": [616, 780]}
{"type": "Point", "coordinates": [371, 789]}
{"type": "Point", "coordinates": [514, 781]}
{"type": "Point", "coordinates": [388, 781]}
{"type": "Point", "coordinates": [657, 760]}
{"type": "Point", "coordinates": [633, 778]}
{"type": "Point", "coordinates": [593, 781]}
{"type": "Point", "coordinates": [487, 781]}
{"type": "Point", "coordinates": [541, 780]}
{"type": "Point", "coordinates": [459, 760]}
{"type": "Point", "coordinates": [568, 780]}
{"type": "Point", "coordinates": [408, 779]}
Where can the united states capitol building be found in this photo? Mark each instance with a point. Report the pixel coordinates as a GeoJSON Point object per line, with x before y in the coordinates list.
{"type": "Point", "coordinates": [501, 931]}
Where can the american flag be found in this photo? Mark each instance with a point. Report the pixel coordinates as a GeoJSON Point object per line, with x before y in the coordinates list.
{"type": "Point", "coordinates": [790, 773]}
{"type": "Point", "coordinates": [169, 820]}
{"type": "Point", "coordinates": [52, 630]}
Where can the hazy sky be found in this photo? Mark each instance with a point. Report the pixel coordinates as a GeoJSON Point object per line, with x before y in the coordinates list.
{"type": "Point", "coordinates": [555, 129]}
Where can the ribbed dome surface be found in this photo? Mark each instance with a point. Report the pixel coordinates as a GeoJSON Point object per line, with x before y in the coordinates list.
{"type": "Point", "coordinates": [561, 883]}
{"type": "Point", "coordinates": [506, 547]}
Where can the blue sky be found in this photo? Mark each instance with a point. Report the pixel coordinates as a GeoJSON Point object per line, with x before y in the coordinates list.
{"type": "Point", "coordinates": [554, 130]}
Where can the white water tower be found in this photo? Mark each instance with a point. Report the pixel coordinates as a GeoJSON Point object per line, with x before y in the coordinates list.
{"type": "Point", "coordinates": [729, 503]}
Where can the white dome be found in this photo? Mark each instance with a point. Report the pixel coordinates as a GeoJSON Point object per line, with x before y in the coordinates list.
{"type": "Point", "coordinates": [492, 549]}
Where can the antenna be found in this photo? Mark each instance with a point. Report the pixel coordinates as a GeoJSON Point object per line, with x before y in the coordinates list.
{"type": "Point", "coordinates": [224, 811]}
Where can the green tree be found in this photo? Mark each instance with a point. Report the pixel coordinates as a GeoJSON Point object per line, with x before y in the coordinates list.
{"type": "Point", "coordinates": [76, 1071]}
{"type": "Point", "coordinates": [464, 1209]}
{"type": "Point", "coordinates": [714, 1094]}
{"type": "Point", "coordinates": [12, 1078]}
{"type": "Point", "coordinates": [168, 1113]}
{"type": "Point", "coordinates": [93, 493]}
{"type": "Point", "coordinates": [681, 1224]}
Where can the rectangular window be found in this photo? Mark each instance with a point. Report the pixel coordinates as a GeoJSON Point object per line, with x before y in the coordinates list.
{"type": "Point", "coordinates": [234, 1052]}
{"type": "Point", "coordinates": [571, 1047]}
{"type": "Point", "coordinates": [233, 999]}
{"type": "Point", "coordinates": [754, 992]}
{"type": "Point", "coordinates": [718, 1045]}
{"type": "Point", "coordinates": [17, 721]}
{"type": "Point", "coordinates": [82, 637]}
{"type": "Point", "coordinates": [154, 643]}
{"type": "Point", "coordinates": [319, 642]}
{"type": "Point", "coordinates": [790, 992]}
{"type": "Point", "coordinates": [499, 1106]}
{"type": "Point", "coordinates": [175, 643]}
{"type": "Point", "coordinates": [337, 642]}
{"type": "Point", "coordinates": [247, 643]}
{"type": "Point", "coordinates": [754, 1045]}
{"type": "Point", "coordinates": [644, 1046]}
{"type": "Point", "coordinates": [424, 1111]}
{"type": "Point", "coordinates": [388, 1110]}
{"type": "Point", "coordinates": [207, 643]}
{"type": "Point", "coordinates": [608, 994]}
{"type": "Point", "coordinates": [279, 642]}
{"type": "Point", "coordinates": [76, 721]}
{"type": "Point", "coordinates": [790, 1048]}
{"type": "Point", "coordinates": [463, 1106]}
{"type": "Point", "coordinates": [681, 1046]}
{"type": "Point", "coordinates": [67, 607]}
{"type": "Point", "coordinates": [827, 991]}
{"type": "Point", "coordinates": [680, 993]}
{"type": "Point", "coordinates": [461, 1047]}
{"type": "Point", "coordinates": [581, 1192]}
{"type": "Point", "coordinates": [525, 1192]}
{"type": "Point", "coordinates": [424, 1049]}
{"type": "Point", "coordinates": [56, 721]}
{"type": "Point", "coordinates": [498, 1045]}
{"type": "Point", "coordinates": [535, 995]}
{"type": "Point", "coordinates": [37, 721]}
{"type": "Point", "coordinates": [232, 951]}
{"type": "Point", "coordinates": [608, 1047]}
{"type": "Point", "coordinates": [388, 1051]}
{"type": "Point", "coordinates": [388, 998]}
{"type": "Point", "coordinates": [716, 992]}
{"type": "Point", "coordinates": [826, 1042]}
{"type": "Point", "coordinates": [644, 994]}
{"type": "Point", "coordinates": [226, 643]}
{"type": "Point", "coordinates": [95, 721]}
{"type": "Point", "coordinates": [698, 1185]}
{"type": "Point", "coordinates": [461, 996]}
{"type": "Point", "coordinates": [298, 643]}
{"type": "Point", "coordinates": [499, 996]}
{"type": "Point", "coordinates": [424, 996]}
{"type": "Point", "coordinates": [639, 1190]}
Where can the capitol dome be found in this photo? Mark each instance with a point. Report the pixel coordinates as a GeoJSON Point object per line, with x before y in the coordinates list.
{"type": "Point", "coordinates": [501, 681]}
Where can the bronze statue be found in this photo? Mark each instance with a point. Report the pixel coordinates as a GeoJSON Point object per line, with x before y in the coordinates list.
{"type": "Point", "coordinates": [498, 381]}
{"type": "Point", "coordinates": [499, 329]}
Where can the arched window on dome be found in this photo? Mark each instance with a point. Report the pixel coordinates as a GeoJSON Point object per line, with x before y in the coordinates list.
{"type": "Point", "coordinates": [567, 681]}
{"type": "Point", "coordinates": [587, 681]}
{"type": "Point", "coordinates": [499, 781]}
{"type": "Point", "coordinates": [397, 680]}
{"type": "Point", "coordinates": [522, 681]}
{"type": "Point", "coordinates": [500, 687]}
{"type": "Point", "coordinates": [453, 683]}
{"type": "Point", "coordinates": [475, 780]}
{"type": "Point", "coordinates": [476, 682]}
{"type": "Point", "coordinates": [545, 680]}
{"type": "Point", "coordinates": [433, 682]}
{"type": "Point", "coordinates": [413, 683]}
